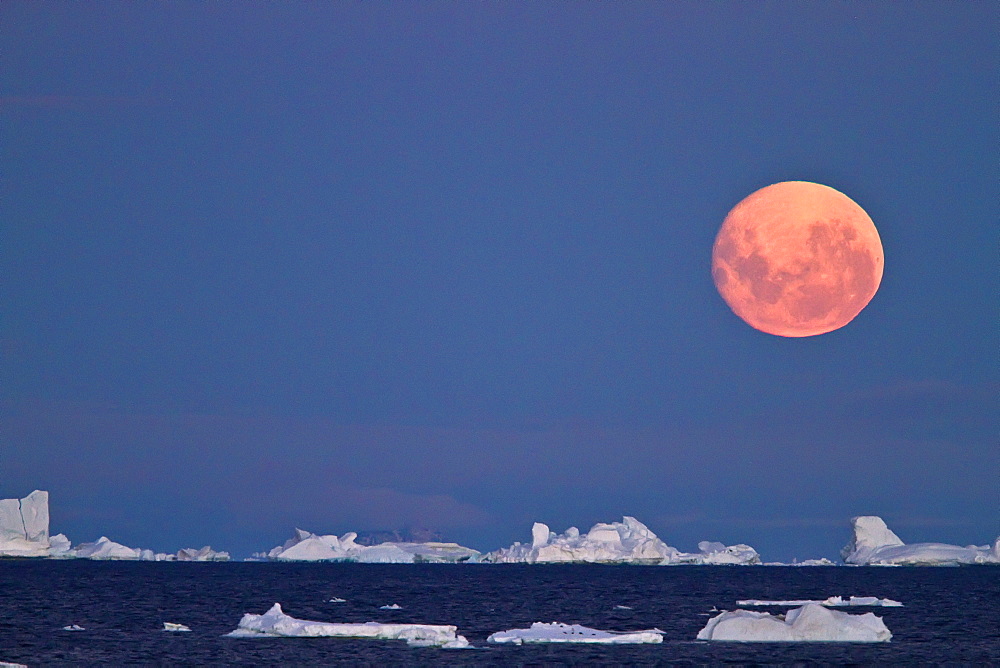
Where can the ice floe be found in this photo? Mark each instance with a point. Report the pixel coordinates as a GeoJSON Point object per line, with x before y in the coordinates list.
{"type": "Point", "coordinates": [629, 541]}
{"type": "Point", "coordinates": [810, 623]}
{"type": "Point", "coordinates": [73, 627]}
{"type": "Point", "coordinates": [335, 599]}
{"type": "Point", "coordinates": [393, 606]}
{"type": "Point", "coordinates": [874, 544]}
{"type": "Point", "coordinates": [275, 623]}
{"type": "Point", "coordinates": [306, 546]}
{"type": "Point", "coordinates": [7, 664]}
{"type": "Point", "coordinates": [555, 632]}
{"type": "Point", "coordinates": [172, 627]}
{"type": "Point", "coordinates": [831, 602]}
{"type": "Point", "coordinates": [24, 526]}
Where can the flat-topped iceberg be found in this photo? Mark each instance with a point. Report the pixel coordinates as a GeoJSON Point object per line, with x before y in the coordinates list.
{"type": "Point", "coordinates": [626, 542]}
{"type": "Point", "coordinates": [24, 526]}
{"type": "Point", "coordinates": [555, 632]}
{"type": "Point", "coordinates": [305, 546]}
{"type": "Point", "coordinates": [810, 623]}
{"type": "Point", "coordinates": [275, 623]}
{"type": "Point", "coordinates": [831, 602]}
{"type": "Point", "coordinates": [874, 544]}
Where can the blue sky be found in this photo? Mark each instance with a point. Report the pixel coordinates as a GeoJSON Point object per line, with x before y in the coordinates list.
{"type": "Point", "coordinates": [359, 266]}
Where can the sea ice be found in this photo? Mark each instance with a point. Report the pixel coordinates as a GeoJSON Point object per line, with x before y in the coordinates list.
{"type": "Point", "coordinates": [629, 541]}
{"type": "Point", "coordinates": [305, 546]}
{"type": "Point", "coordinates": [6, 664]}
{"type": "Point", "coordinates": [171, 626]}
{"type": "Point", "coordinates": [554, 632]}
{"type": "Point", "coordinates": [73, 627]}
{"type": "Point", "coordinates": [24, 526]}
{"type": "Point", "coordinates": [394, 606]}
{"type": "Point", "coordinates": [810, 623]}
{"type": "Point", "coordinates": [337, 600]}
{"type": "Point", "coordinates": [873, 544]}
{"type": "Point", "coordinates": [275, 623]}
{"type": "Point", "coordinates": [831, 602]}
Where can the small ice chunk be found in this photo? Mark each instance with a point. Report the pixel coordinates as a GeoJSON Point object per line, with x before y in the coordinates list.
{"type": "Point", "coordinates": [73, 627]}
{"type": "Point", "coordinates": [337, 599]}
{"type": "Point", "coordinates": [394, 606]}
{"type": "Point", "coordinates": [623, 607]}
{"type": "Point", "coordinates": [810, 623]}
{"type": "Point", "coordinates": [171, 626]}
{"type": "Point", "coordinates": [556, 632]}
{"type": "Point", "coordinates": [275, 623]}
{"type": "Point", "coordinates": [6, 664]}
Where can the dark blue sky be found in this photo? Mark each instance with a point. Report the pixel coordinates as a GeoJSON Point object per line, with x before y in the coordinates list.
{"type": "Point", "coordinates": [355, 266]}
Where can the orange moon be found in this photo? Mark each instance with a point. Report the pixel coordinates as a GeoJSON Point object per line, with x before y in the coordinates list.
{"type": "Point", "coordinates": [797, 259]}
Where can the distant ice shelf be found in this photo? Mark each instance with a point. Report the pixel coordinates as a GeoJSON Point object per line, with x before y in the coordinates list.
{"type": "Point", "coordinates": [626, 542]}
{"type": "Point", "coordinates": [275, 623]}
{"type": "Point", "coordinates": [306, 546]}
{"type": "Point", "coordinates": [874, 544]}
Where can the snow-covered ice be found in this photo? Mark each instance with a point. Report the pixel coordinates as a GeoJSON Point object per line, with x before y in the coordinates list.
{"type": "Point", "coordinates": [810, 623]}
{"type": "Point", "coordinates": [7, 664]}
{"type": "Point", "coordinates": [336, 599]}
{"type": "Point", "coordinates": [629, 541]}
{"type": "Point", "coordinates": [874, 544]}
{"type": "Point", "coordinates": [393, 606]}
{"type": "Point", "coordinates": [306, 546]}
{"type": "Point", "coordinates": [73, 627]}
{"type": "Point", "coordinates": [24, 526]}
{"type": "Point", "coordinates": [555, 632]}
{"type": "Point", "coordinates": [171, 626]}
{"type": "Point", "coordinates": [831, 602]}
{"type": "Point", "coordinates": [275, 623]}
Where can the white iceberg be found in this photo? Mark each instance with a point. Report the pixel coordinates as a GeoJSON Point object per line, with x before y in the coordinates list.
{"type": "Point", "coordinates": [73, 627]}
{"type": "Point", "coordinates": [306, 546]}
{"type": "Point", "coordinates": [174, 628]}
{"type": "Point", "coordinates": [810, 623]}
{"type": "Point", "coordinates": [7, 664]}
{"type": "Point", "coordinates": [874, 544]}
{"type": "Point", "coordinates": [555, 632]}
{"type": "Point", "coordinates": [275, 623]}
{"type": "Point", "coordinates": [24, 526]}
{"type": "Point", "coordinates": [105, 549]}
{"type": "Point", "coordinates": [831, 602]}
{"type": "Point", "coordinates": [394, 606]}
{"type": "Point", "coordinates": [629, 541]}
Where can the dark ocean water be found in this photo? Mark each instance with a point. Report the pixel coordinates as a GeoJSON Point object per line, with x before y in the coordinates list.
{"type": "Point", "coordinates": [951, 615]}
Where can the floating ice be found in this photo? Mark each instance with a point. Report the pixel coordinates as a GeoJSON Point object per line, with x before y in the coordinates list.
{"type": "Point", "coordinates": [541, 632]}
{"type": "Point", "coordinates": [623, 607]}
{"type": "Point", "coordinates": [629, 541]}
{"type": "Point", "coordinates": [5, 664]}
{"type": "Point", "coordinates": [170, 626]}
{"type": "Point", "coordinates": [305, 546]}
{"type": "Point", "coordinates": [275, 623]}
{"type": "Point", "coordinates": [337, 600]}
{"type": "Point", "coordinates": [810, 623]}
{"type": "Point", "coordinates": [24, 526]}
{"type": "Point", "coordinates": [73, 627]}
{"type": "Point", "coordinates": [873, 544]}
{"type": "Point", "coordinates": [831, 602]}
{"type": "Point", "coordinates": [394, 606]}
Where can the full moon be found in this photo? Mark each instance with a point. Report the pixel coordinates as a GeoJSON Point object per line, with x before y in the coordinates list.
{"type": "Point", "coordinates": [797, 259]}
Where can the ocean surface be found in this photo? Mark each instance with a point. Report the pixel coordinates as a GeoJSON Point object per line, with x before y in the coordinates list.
{"type": "Point", "coordinates": [950, 615]}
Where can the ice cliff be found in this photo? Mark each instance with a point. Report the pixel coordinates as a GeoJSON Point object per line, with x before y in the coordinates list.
{"type": "Point", "coordinates": [874, 544]}
{"type": "Point", "coordinates": [306, 546]}
{"type": "Point", "coordinates": [629, 541]}
{"type": "Point", "coordinates": [24, 526]}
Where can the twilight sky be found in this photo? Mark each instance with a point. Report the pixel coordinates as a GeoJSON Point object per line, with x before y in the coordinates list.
{"type": "Point", "coordinates": [359, 266]}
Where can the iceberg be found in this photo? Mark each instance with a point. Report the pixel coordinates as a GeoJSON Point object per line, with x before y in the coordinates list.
{"type": "Point", "coordinates": [626, 542]}
{"type": "Point", "coordinates": [24, 526]}
{"type": "Point", "coordinates": [275, 623]}
{"type": "Point", "coordinates": [105, 549]}
{"type": "Point", "coordinates": [174, 628]}
{"type": "Point", "coordinates": [874, 544]}
{"type": "Point", "coordinates": [306, 546]}
{"type": "Point", "coordinates": [556, 632]}
{"type": "Point", "coordinates": [810, 623]}
{"type": "Point", "coordinates": [831, 602]}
